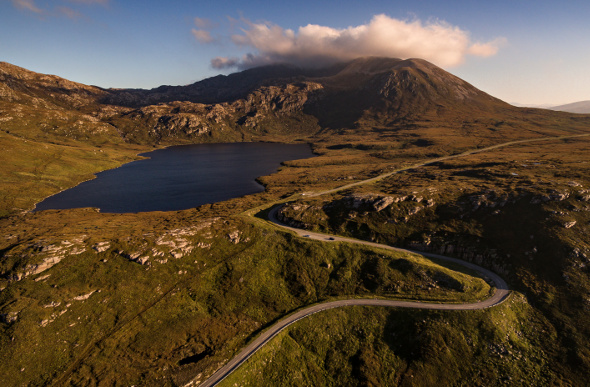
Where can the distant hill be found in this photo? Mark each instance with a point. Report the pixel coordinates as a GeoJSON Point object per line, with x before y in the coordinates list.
{"type": "Point", "coordinates": [542, 106]}
{"type": "Point", "coordinates": [22, 86]}
{"type": "Point", "coordinates": [582, 107]}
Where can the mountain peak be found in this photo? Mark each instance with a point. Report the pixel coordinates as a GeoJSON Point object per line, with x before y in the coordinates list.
{"type": "Point", "coordinates": [407, 80]}
{"type": "Point", "coordinates": [377, 64]}
{"type": "Point", "coordinates": [370, 65]}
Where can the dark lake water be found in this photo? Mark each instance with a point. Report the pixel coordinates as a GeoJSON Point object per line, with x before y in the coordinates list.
{"type": "Point", "coordinates": [180, 177]}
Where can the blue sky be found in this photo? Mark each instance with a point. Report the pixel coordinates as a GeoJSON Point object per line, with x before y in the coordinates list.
{"type": "Point", "coordinates": [533, 52]}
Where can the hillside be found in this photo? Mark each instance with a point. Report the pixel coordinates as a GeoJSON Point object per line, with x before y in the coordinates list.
{"type": "Point", "coordinates": [163, 298]}
{"type": "Point", "coordinates": [582, 107]}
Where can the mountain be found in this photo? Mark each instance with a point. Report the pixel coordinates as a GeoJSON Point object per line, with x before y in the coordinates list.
{"type": "Point", "coordinates": [379, 74]}
{"type": "Point", "coordinates": [278, 100]}
{"type": "Point", "coordinates": [373, 97]}
{"type": "Point", "coordinates": [379, 90]}
{"type": "Point", "coordinates": [218, 89]}
{"type": "Point", "coordinates": [582, 107]}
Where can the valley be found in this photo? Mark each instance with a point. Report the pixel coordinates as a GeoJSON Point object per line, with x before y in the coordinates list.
{"type": "Point", "coordinates": [407, 155]}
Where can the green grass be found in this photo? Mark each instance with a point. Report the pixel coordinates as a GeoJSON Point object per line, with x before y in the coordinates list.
{"type": "Point", "coordinates": [387, 346]}
{"type": "Point", "coordinates": [33, 170]}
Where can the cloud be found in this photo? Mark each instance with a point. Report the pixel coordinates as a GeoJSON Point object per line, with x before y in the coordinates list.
{"type": "Point", "coordinates": [29, 5]}
{"type": "Point", "coordinates": [202, 33]}
{"type": "Point", "coordinates": [202, 36]}
{"type": "Point", "coordinates": [61, 10]}
{"type": "Point", "coordinates": [204, 24]}
{"type": "Point", "coordinates": [69, 13]}
{"type": "Point", "coordinates": [221, 63]}
{"type": "Point", "coordinates": [101, 2]}
{"type": "Point", "coordinates": [314, 45]}
{"type": "Point", "coordinates": [487, 49]}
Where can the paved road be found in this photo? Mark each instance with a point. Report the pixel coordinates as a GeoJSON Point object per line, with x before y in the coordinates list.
{"type": "Point", "coordinates": [500, 294]}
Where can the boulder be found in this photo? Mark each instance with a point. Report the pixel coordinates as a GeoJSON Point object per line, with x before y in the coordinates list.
{"type": "Point", "coordinates": [382, 203]}
{"type": "Point", "coordinates": [102, 246]}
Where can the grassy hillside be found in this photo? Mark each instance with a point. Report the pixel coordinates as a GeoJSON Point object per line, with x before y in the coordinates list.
{"type": "Point", "coordinates": [384, 347]}
{"type": "Point", "coordinates": [34, 169]}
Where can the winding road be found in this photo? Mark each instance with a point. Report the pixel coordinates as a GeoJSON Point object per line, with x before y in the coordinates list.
{"type": "Point", "coordinates": [500, 294]}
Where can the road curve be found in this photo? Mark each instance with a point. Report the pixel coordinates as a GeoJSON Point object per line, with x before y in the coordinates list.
{"type": "Point", "coordinates": [488, 275]}
{"type": "Point", "coordinates": [500, 294]}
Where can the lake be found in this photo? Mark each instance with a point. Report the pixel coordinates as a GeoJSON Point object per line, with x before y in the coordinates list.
{"type": "Point", "coordinates": [179, 177]}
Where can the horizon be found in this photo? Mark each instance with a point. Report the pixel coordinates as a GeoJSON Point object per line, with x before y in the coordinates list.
{"type": "Point", "coordinates": [519, 54]}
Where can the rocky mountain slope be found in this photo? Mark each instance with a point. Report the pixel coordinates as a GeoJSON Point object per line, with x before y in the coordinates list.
{"type": "Point", "coordinates": [37, 105]}
{"type": "Point", "coordinates": [273, 100]}
{"type": "Point", "coordinates": [379, 90]}
{"type": "Point", "coordinates": [19, 85]}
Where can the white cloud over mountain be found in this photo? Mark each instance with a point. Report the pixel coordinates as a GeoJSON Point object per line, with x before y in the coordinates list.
{"type": "Point", "coordinates": [314, 45]}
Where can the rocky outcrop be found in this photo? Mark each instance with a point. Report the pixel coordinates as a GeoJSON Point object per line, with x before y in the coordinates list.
{"type": "Point", "coordinates": [553, 196]}
{"type": "Point", "coordinates": [284, 217]}
{"type": "Point", "coordinates": [382, 203]}
{"type": "Point", "coordinates": [39, 256]}
{"type": "Point", "coordinates": [189, 119]}
{"type": "Point", "coordinates": [371, 202]}
{"type": "Point", "coordinates": [234, 237]}
{"type": "Point", "coordinates": [47, 255]}
{"type": "Point", "coordinates": [489, 258]}
{"type": "Point", "coordinates": [136, 256]}
{"type": "Point", "coordinates": [84, 297]}
{"type": "Point", "coordinates": [176, 243]}
{"type": "Point", "coordinates": [8, 318]}
{"type": "Point", "coordinates": [102, 246]}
